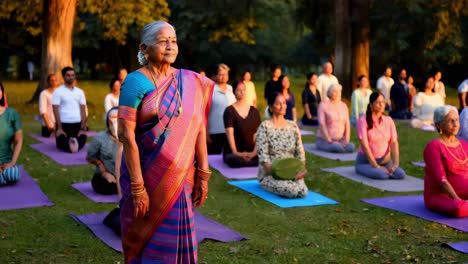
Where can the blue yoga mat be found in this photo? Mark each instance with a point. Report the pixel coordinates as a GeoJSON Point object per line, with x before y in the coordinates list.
{"type": "Point", "coordinates": [253, 187]}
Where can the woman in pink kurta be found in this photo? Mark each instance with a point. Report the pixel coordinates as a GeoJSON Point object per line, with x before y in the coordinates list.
{"type": "Point", "coordinates": [334, 131]}
{"type": "Point", "coordinates": [446, 177]}
{"type": "Point", "coordinates": [379, 155]}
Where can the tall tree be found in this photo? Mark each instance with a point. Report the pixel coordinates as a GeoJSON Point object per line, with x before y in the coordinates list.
{"type": "Point", "coordinates": [57, 31]}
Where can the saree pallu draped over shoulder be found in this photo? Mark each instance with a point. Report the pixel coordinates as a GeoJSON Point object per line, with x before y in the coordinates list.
{"type": "Point", "coordinates": [168, 124]}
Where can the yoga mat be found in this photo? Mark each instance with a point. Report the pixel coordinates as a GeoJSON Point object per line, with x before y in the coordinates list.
{"type": "Point", "coordinates": [47, 140]}
{"type": "Point", "coordinates": [419, 163]}
{"type": "Point", "coordinates": [205, 229]}
{"type": "Point", "coordinates": [62, 157]}
{"type": "Point", "coordinates": [312, 148]}
{"type": "Point", "coordinates": [253, 187]}
{"type": "Point", "coordinates": [306, 132]}
{"type": "Point", "coordinates": [459, 246]}
{"type": "Point", "coordinates": [24, 194]}
{"type": "Point", "coordinates": [300, 124]}
{"type": "Point", "coordinates": [86, 189]}
{"type": "Point", "coordinates": [216, 161]}
{"type": "Point", "coordinates": [428, 128]}
{"type": "Point", "coordinates": [51, 139]}
{"type": "Point", "coordinates": [414, 205]}
{"type": "Point", "coordinates": [408, 184]}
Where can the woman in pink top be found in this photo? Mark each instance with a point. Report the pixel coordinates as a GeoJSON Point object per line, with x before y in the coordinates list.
{"type": "Point", "coordinates": [446, 177]}
{"type": "Point", "coordinates": [378, 156]}
{"type": "Point", "coordinates": [334, 129]}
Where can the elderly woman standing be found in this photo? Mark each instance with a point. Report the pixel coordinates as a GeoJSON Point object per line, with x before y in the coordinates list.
{"type": "Point", "coordinates": [11, 134]}
{"type": "Point", "coordinates": [241, 121]}
{"type": "Point", "coordinates": [379, 155]}
{"type": "Point", "coordinates": [162, 125]}
{"type": "Point", "coordinates": [360, 99]}
{"type": "Point", "coordinates": [221, 99]}
{"type": "Point", "coordinates": [278, 138]}
{"type": "Point", "coordinates": [445, 179]}
{"type": "Point", "coordinates": [334, 130]}
{"type": "Point", "coordinates": [424, 104]}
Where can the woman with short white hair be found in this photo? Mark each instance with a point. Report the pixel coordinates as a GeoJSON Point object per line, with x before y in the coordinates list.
{"type": "Point", "coordinates": [334, 127]}
{"type": "Point", "coordinates": [445, 179]}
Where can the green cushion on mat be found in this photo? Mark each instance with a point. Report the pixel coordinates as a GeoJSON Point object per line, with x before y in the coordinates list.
{"type": "Point", "coordinates": [286, 169]}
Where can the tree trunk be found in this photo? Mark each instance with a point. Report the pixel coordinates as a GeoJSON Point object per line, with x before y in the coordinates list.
{"type": "Point", "coordinates": [361, 39]}
{"type": "Point", "coordinates": [57, 30]}
{"type": "Point", "coordinates": [343, 46]}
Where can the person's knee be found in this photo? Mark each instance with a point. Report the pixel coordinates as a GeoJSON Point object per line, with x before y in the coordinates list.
{"type": "Point", "coordinates": [399, 173]}
{"type": "Point", "coordinates": [11, 175]}
{"type": "Point", "coordinates": [373, 173]}
{"type": "Point", "coordinates": [461, 209]}
{"type": "Point", "coordinates": [349, 148]}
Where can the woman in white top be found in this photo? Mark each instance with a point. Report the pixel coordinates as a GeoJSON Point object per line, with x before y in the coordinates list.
{"type": "Point", "coordinates": [112, 99]}
{"type": "Point", "coordinates": [45, 106]}
{"type": "Point", "coordinates": [424, 104]}
{"type": "Point", "coordinates": [360, 99]}
{"type": "Point", "coordinates": [251, 95]}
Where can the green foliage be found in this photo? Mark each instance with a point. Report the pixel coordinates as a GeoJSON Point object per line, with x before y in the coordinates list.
{"type": "Point", "coordinates": [114, 19]}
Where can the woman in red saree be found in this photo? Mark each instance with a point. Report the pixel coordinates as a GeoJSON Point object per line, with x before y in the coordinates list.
{"type": "Point", "coordinates": [162, 119]}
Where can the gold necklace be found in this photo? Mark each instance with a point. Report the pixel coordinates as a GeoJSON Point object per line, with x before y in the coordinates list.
{"type": "Point", "coordinates": [158, 98]}
{"type": "Point", "coordinates": [453, 155]}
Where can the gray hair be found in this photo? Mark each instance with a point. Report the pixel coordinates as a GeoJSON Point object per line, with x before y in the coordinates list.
{"type": "Point", "coordinates": [333, 87]}
{"type": "Point", "coordinates": [223, 66]}
{"type": "Point", "coordinates": [441, 112]}
{"type": "Point", "coordinates": [147, 37]}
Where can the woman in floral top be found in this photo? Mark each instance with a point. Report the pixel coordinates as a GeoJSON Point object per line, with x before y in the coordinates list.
{"type": "Point", "coordinates": [278, 138]}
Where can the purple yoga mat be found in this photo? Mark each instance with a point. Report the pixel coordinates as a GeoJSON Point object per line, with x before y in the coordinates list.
{"type": "Point", "coordinates": [48, 140]}
{"type": "Point", "coordinates": [216, 161]}
{"type": "Point", "coordinates": [51, 139]}
{"type": "Point", "coordinates": [86, 189]}
{"type": "Point", "coordinates": [205, 228]}
{"type": "Point", "coordinates": [459, 246]}
{"type": "Point", "coordinates": [61, 157]}
{"type": "Point", "coordinates": [24, 194]}
{"type": "Point", "coordinates": [414, 205]}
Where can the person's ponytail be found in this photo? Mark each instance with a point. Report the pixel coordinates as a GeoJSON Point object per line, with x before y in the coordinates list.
{"type": "Point", "coordinates": [370, 122]}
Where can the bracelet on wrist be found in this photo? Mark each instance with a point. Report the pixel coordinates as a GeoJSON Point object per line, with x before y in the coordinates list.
{"type": "Point", "coordinates": [203, 174]}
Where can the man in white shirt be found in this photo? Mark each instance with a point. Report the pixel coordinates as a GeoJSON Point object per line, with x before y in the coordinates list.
{"type": "Point", "coordinates": [325, 80]}
{"type": "Point", "coordinates": [69, 105]}
{"type": "Point", "coordinates": [384, 84]}
{"type": "Point", "coordinates": [463, 94]}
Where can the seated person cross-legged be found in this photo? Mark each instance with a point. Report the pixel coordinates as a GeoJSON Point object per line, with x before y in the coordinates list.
{"type": "Point", "coordinates": [241, 121]}
{"type": "Point", "coordinates": [378, 156]}
{"type": "Point", "coordinates": [334, 129]}
{"type": "Point", "coordinates": [278, 138]}
{"type": "Point", "coordinates": [69, 105]}
{"type": "Point", "coordinates": [11, 134]}
{"type": "Point", "coordinates": [424, 104]}
{"type": "Point", "coordinates": [101, 152]}
{"type": "Point", "coordinates": [446, 171]}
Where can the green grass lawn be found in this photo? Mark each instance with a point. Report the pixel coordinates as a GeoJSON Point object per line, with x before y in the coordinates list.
{"type": "Point", "coordinates": [350, 232]}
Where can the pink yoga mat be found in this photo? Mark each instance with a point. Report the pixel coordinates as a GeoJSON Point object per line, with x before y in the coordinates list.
{"type": "Point", "coordinates": [86, 189]}
{"type": "Point", "coordinates": [61, 157]}
{"type": "Point", "coordinates": [24, 194]}
{"type": "Point", "coordinates": [216, 161]}
{"type": "Point", "coordinates": [205, 229]}
{"type": "Point", "coordinates": [414, 205]}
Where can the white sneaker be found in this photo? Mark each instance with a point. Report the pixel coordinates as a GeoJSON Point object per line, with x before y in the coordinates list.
{"type": "Point", "coordinates": [73, 144]}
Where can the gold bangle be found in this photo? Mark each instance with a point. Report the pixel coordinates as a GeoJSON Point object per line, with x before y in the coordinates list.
{"type": "Point", "coordinates": [138, 192]}
{"type": "Point", "coordinates": [205, 171]}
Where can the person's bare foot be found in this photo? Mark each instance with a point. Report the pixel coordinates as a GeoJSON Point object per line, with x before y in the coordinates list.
{"type": "Point", "coordinates": [73, 144]}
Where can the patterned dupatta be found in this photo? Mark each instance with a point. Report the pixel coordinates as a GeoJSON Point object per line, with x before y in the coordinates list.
{"type": "Point", "coordinates": [166, 140]}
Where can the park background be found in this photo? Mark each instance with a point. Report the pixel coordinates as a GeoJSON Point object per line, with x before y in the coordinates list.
{"type": "Point", "coordinates": [357, 35]}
